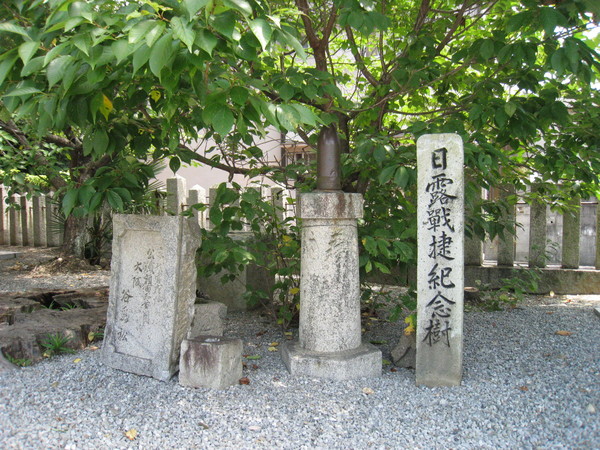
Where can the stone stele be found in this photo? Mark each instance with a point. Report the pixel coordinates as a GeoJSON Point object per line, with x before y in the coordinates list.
{"type": "Point", "coordinates": [329, 344]}
{"type": "Point", "coordinates": [152, 293]}
{"type": "Point", "coordinates": [440, 263]}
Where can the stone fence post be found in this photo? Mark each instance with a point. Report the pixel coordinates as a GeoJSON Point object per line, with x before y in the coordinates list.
{"type": "Point", "coordinates": [537, 233]}
{"type": "Point", "coordinates": [570, 235]}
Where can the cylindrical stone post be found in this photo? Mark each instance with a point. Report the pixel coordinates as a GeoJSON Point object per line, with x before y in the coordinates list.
{"type": "Point", "coordinates": [506, 243]}
{"type": "Point", "coordinates": [14, 234]}
{"type": "Point", "coordinates": [53, 232]}
{"type": "Point", "coordinates": [39, 229]}
{"type": "Point", "coordinates": [537, 234]}
{"type": "Point", "coordinates": [24, 213]}
{"type": "Point", "coordinates": [197, 194]}
{"type": "Point", "coordinates": [176, 195]}
{"type": "Point", "coordinates": [570, 236]}
{"type": "Point", "coordinates": [597, 233]}
{"type": "Point", "coordinates": [329, 283]}
{"type": "Point", "coordinates": [473, 244]}
{"type": "Point", "coordinates": [2, 224]}
{"type": "Point", "coordinates": [329, 343]}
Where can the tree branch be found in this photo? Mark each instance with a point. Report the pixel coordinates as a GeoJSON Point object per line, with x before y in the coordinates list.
{"type": "Point", "coordinates": [358, 58]}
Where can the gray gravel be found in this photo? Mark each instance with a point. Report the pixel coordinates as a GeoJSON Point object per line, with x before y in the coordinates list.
{"type": "Point", "coordinates": [524, 386]}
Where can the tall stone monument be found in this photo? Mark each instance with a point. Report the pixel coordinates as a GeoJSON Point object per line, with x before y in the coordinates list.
{"type": "Point", "coordinates": [329, 344]}
{"type": "Point", "coordinates": [440, 266]}
{"type": "Point", "coordinates": [152, 293]}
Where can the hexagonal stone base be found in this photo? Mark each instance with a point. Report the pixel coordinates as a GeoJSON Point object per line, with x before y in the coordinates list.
{"type": "Point", "coordinates": [361, 362]}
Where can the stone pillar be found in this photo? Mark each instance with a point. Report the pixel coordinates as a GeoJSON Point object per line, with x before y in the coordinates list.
{"type": "Point", "coordinates": [474, 245]}
{"type": "Point", "coordinates": [506, 241]}
{"type": "Point", "coordinates": [537, 233]}
{"type": "Point", "coordinates": [570, 235]}
{"type": "Point", "coordinates": [39, 224]}
{"type": "Point", "coordinates": [24, 213]}
{"type": "Point", "coordinates": [176, 195]}
{"type": "Point", "coordinates": [197, 194]}
{"type": "Point", "coordinates": [2, 224]}
{"type": "Point", "coordinates": [440, 263]}
{"type": "Point", "coordinates": [53, 232]}
{"type": "Point", "coordinates": [329, 343]}
{"type": "Point", "coordinates": [14, 235]}
{"type": "Point", "coordinates": [598, 233]}
{"type": "Point", "coordinates": [279, 197]}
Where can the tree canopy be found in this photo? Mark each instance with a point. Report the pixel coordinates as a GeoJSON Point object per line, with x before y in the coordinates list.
{"type": "Point", "coordinates": [94, 91]}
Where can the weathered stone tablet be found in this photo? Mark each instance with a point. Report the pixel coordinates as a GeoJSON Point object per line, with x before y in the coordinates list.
{"type": "Point", "coordinates": [152, 293]}
{"type": "Point", "coordinates": [440, 266]}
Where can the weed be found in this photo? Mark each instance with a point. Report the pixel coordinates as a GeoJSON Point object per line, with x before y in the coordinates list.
{"type": "Point", "coordinates": [55, 344]}
{"type": "Point", "coordinates": [21, 362]}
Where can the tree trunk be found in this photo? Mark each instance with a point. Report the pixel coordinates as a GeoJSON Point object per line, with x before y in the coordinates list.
{"type": "Point", "coordinates": [76, 236]}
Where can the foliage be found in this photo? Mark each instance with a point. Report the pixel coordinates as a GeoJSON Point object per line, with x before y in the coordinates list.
{"type": "Point", "coordinates": [55, 344]}
{"type": "Point", "coordinates": [21, 362]}
{"type": "Point", "coordinates": [512, 290]}
{"type": "Point", "coordinates": [270, 248]}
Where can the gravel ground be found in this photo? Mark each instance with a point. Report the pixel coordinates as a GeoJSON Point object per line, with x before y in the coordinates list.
{"type": "Point", "coordinates": [524, 386]}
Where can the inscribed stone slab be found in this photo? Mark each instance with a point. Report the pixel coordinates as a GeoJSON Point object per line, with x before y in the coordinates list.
{"type": "Point", "coordinates": [152, 293]}
{"type": "Point", "coordinates": [440, 266]}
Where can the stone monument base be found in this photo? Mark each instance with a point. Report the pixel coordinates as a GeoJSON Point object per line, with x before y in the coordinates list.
{"type": "Point", "coordinates": [361, 362]}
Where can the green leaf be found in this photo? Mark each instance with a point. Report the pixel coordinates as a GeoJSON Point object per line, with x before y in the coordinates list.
{"type": "Point", "coordinates": [206, 41]}
{"type": "Point", "coordinates": [402, 177]}
{"type": "Point", "coordinates": [5, 67]}
{"type": "Point", "coordinates": [85, 195]}
{"type": "Point", "coordinates": [193, 6]}
{"type": "Point", "coordinates": [27, 50]}
{"type": "Point", "coordinates": [100, 141]}
{"type": "Point", "coordinates": [57, 68]}
{"type": "Point", "coordinates": [154, 33]}
{"type": "Point", "coordinates": [306, 115]}
{"type": "Point", "coordinates": [27, 90]}
{"type": "Point", "coordinates": [114, 200]}
{"type": "Point", "coordinates": [160, 54]}
{"type": "Point", "coordinates": [140, 30]}
{"type": "Point", "coordinates": [290, 40]}
{"type": "Point", "coordinates": [69, 201]}
{"type": "Point", "coordinates": [10, 27]}
{"type": "Point", "coordinates": [510, 108]}
{"type": "Point", "coordinates": [225, 24]}
{"type": "Point", "coordinates": [121, 49]}
{"type": "Point", "coordinates": [549, 18]}
{"type": "Point", "coordinates": [183, 32]}
{"type": "Point", "coordinates": [241, 5]}
{"type": "Point", "coordinates": [386, 174]}
{"type": "Point", "coordinates": [239, 95]}
{"type": "Point", "coordinates": [223, 120]}
{"type": "Point", "coordinates": [262, 30]}
{"type": "Point", "coordinates": [140, 57]}
{"type": "Point", "coordinates": [81, 9]}
{"type": "Point", "coordinates": [487, 49]}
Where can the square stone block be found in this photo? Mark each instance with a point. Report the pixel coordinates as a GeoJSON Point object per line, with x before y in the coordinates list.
{"type": "Point", "coordinates": [361, 362]}
{"type": "Point", "coordinates": [208, 319]}
{"type": "Point", "coordinates": [210, 362]}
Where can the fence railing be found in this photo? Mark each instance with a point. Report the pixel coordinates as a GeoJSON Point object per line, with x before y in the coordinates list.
{"type": "Point", "coordinates": [542, 237]}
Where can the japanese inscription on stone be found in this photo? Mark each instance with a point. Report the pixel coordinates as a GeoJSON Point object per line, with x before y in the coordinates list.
{"type": "Point", "coordinates": [440, 269]}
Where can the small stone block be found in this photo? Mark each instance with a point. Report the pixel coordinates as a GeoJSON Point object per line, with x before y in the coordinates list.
{"type": "Point", "coordinates": [361, 362]}
{"type": "Point", "coordinates": [208, 319]}
{"type": "Point", "coordinates": [8, 255]}
{"type": "Point", "coordinates": [405, 353]}
{"type": "Point", "coordinates": [597, 311]}
{"type": "Point", "coordinates": [210, 362]}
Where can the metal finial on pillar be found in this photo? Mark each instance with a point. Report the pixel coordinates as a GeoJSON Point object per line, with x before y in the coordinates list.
{"type": "Point", "coordinates": [328, 160]}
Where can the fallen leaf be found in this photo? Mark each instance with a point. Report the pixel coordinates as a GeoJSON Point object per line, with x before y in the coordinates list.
{"type": "Point", "coordinates": [386, 362]}
{"type": "Point", "coordinates": [55, 384]}
{"type": "Point", "coordinates": [552, 294]}
{"type": "Point", "coordinates": [203, 425]}
{"type": "Point", "coordinates": [591, 409]}
{"type": "Point", "coordinates": [253, 357]}
{"type": "Point", "coordinates": [260, 333]}
{"type": "Point", "coordinates": [94, 347]}
{"type": "Point", "coordinates": [368, 391]}
{"type": "Point", "coordinates": [245, 380]}
{"type": "Point", "coordinates": [131, 434]}
{"type": "Point", "coordinates": [244, 365]}
{"type": "Point", "coordinates": [549, 312]}
{"type": "Point", "coordinates": [254, 367]}
{"type": "Point", "coordinates": [524, 388]}
{"type": "Point", "coordinates": [288, 333]}
{"type": "Point", "coordinates": [272, 349]}
{"type": "Point", "coordinates": [91, 336]}
{"type": "Point", "coordinates": [254, 428]}
{"type": "Point", "coordinates": [563, 333]}
{"type": "Point", "coordinates": [274, 344]}
{"type": "Point", "coordinates": [393, 369]}
{"type": "Point", "coordinates": [77, 360]}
